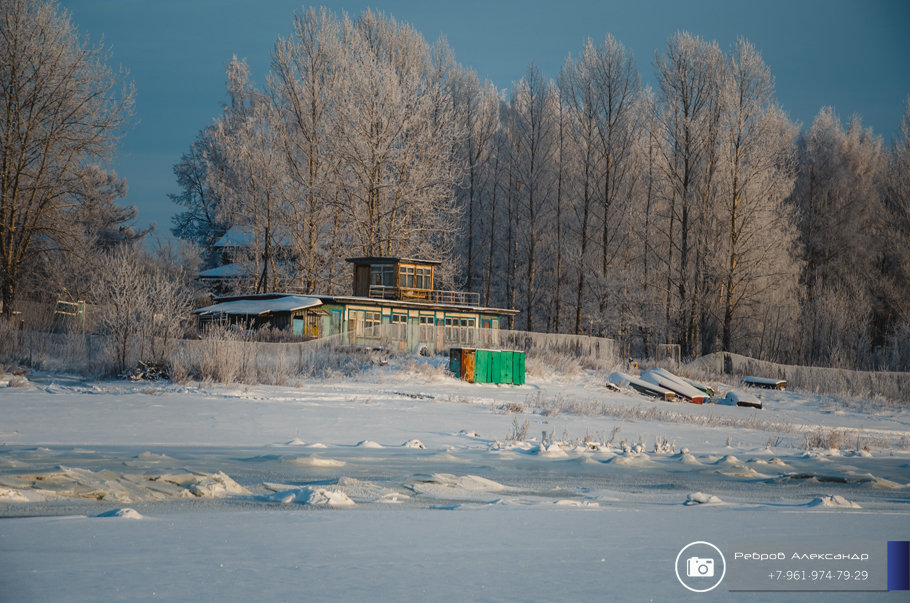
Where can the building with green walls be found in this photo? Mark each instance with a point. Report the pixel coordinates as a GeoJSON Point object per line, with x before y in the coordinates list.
{"type": "Point", "coordinates": [394, 304]}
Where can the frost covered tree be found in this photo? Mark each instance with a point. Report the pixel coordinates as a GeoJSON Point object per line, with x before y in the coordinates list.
{"type": "Point", "coordinates": [142, 306]}
{"type": "Point", "coordinates": [393, 130]}
{"type": "Point", "coordinates": [477, 108]}
{"type": "Point", "coordinates": [250, 178]}
{"type": "Point", "coordinates": [898, 215]}
{"type": "Point", "coordinates": [687, 75]}
{"type": "Point", "coordinates": [533, 130]}
{"type": "Point", "coordinates": [759, 239]}
{"type": "Point", "coordinates": [303, 85]}
{"type": "Point", "coordinates": [617, 86]}
{"type": "Point", "coordinates": [62, 112]}
{"type": "Point", "coordinates": [351, 148]}
{"type": "Point", "coordinates": [839, 208]}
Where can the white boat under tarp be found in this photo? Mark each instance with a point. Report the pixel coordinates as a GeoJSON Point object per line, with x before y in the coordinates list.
{"type": "Point", "coordinates": [740, 398]}
{"type": "Point", "coordinates": [667, 380]}
{"type": "Point", "coordinates": [623, 381]}
{"type": "Point", "coordinates": [261, 306]}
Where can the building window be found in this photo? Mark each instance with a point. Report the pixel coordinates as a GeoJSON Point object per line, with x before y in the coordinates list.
{"type": "Point", "coordinates": [382, 275]}
{"type": "Point", "coordinates": [460, 330]}
{"type": "Point", "coordinates": [415, 277]}
{"type": "Point", "coordinates": [399, 328]}
{"type": "Point", "coordinates": [406, 277]}
{"type": "Point", "coordinates": [371, 319]}
{"type": "Point", "coordinates": [427, 328]}
{"type": "Point", "coordinates": [423, 278]}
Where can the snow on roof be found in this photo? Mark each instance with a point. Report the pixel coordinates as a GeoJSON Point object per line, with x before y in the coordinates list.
{"type": "Point", "coordinates": [225, 271]}
{"type": "Point", "coordinates": [236, 236]}
{"type": "Point", "coordinates": [257, 307]}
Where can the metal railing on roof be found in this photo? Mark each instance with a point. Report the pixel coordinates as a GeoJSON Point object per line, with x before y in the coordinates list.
{"type": "Point", "coordinates": [455, 298]}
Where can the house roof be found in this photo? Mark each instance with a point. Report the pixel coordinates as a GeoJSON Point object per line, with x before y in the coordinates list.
{"type": "Point", "coordinates": [227, 271]}
{"type": "Point", "coordinates": [391, 260]}
{"type": "Point", "coordinates": [236, 236]}
{"type": "Point", "coordinates": [261, 305]}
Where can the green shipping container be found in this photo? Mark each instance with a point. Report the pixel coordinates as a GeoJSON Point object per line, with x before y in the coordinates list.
{"type": "Point", "coordinates": [518, 368]}
{"type": "Point", "coordinates": [506, 358]}
{"type": "Point", "coordinates": [483, 366]}
{"type": "Point", "coordinates": [495, 367]}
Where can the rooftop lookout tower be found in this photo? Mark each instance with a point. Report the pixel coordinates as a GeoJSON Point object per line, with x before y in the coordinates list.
{"type": "Point", "coordinates": [404, 279]}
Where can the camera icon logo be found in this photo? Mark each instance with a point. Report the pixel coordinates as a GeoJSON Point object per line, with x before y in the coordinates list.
{"type": "Point", "coordinates": [697, 567]}
{"type": "Point", "coordinates": [700, 566]}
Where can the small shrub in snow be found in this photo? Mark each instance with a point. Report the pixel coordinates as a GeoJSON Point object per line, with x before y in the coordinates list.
{"type": "Point", "coordinates": [825, 439]}
{"type": "Point", "coordinates": [17, 381]}
{"type": "Point", "coordinates": [519, 431]}
{"type": "Point", "coordinates": [664, 446]}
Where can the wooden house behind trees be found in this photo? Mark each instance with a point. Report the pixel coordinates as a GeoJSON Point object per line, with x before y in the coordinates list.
{"type": "Point", "coordinates": [394, 303]}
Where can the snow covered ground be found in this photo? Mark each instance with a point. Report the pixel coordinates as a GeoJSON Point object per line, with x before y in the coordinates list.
{"type": "Point", "coordinates": [405, 484]}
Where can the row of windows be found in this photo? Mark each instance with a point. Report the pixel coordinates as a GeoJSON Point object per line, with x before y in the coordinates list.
{"type": "Point", "coordinates": [461, 322]}
{"type": "Point", "coordinates": [409, 277]}
{"type": "Point", "coordinates": [372, 319]}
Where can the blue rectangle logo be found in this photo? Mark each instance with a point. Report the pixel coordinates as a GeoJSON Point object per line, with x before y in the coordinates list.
{"type": "Point", "coordinates": [898, 565]}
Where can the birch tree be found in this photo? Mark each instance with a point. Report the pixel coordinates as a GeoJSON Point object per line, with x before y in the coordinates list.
{"type": "Point", "coordinates": [303, 86]}
{"type": "Point", "coordinates": [533, 130]}
{"type": "Point", "coordinates": [757, 159]}
{"type": "Point", "coordinates": [838, 200]}
{"type": "Point", "coordinates": [395, 176]}
{"type": "Point", "coordinates": [477, 107]}
{"type": "Point", "coordinates": [686, 74]}
{"type": "Point", "coordinates": [578, 91]}
{"type": "Point", "coordinates": [250, 176]}
{"type": "Point", "coordinates": [617, 85]}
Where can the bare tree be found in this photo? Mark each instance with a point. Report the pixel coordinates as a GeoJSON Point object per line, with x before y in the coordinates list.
{"type": "Point", "coordinates": [688, 86]}
{"type": "Point", "coordinates": [249, 176]}
{"type": "Point", "coordinates": [143, 306]}
{"type": "Point", "coordinates": [578, 91]}
{"type": "Point", "coordinates": [838, 200]}
{"type": "Point", "coordinates": [477, 107]}
{"type": "Point", "coordinates": [61, 110]}
{"type": "Point", "coordinates": [533, 129]}
{"type": "Point", "coordinates": [303, 87]}
{"type": "Point", "coordinates": [895, 260]}
{"type": "Point", "coordinates": [617, 85]}
{"type": "Point", "coordinates": [757, 157]}
{"type": "Point", "coordinates": [396, 164]}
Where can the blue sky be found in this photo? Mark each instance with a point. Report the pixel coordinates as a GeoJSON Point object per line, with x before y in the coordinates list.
{"type": "Point", "coordinates": [851, 54]}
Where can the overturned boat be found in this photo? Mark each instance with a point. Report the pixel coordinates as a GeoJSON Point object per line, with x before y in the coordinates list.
{"type": "Point", "coordinates": [667, 380]}
{"type": "Point", "coordinates": [623, 381]}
